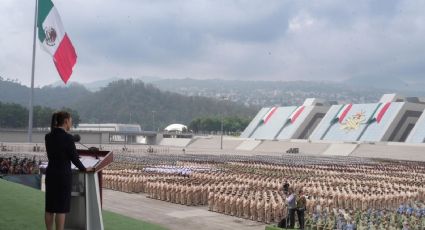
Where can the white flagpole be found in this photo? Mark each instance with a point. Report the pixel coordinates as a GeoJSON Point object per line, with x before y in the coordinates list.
{"type": "Point", "coordinates": [31, 106]}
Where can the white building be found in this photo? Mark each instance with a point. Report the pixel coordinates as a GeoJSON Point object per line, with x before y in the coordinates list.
{"type": "Point", "coordinates": [109, 127]}
{"type": "Point", "coordinates": [118, 133]}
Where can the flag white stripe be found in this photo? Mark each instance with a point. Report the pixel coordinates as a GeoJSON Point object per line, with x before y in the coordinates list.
{"type": "Point", "coordinates": [54, 21]}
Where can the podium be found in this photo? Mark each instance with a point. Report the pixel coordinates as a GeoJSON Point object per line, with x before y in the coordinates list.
{"type": "Point", "coordinates": [86, 192]}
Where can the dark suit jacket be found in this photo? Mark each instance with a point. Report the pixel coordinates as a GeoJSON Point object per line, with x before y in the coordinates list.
{"type": "Point", "coordinates": [61, 152]}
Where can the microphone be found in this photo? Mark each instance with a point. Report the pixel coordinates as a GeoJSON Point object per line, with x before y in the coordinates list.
{"type": "Point", "coordinates": [77, 139]}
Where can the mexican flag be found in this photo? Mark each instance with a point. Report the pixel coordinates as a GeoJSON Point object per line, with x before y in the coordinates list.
{"type": "Point", "coordinates": [296, 114]}
{"type": "Point", "coordinates": [380, 111]}
{"type": "Point", "coordinates": [54, 39]}
{"type": "Point", "coordinates": [268, 115]}
{"type": "Point", "coordinates": [342, 113]}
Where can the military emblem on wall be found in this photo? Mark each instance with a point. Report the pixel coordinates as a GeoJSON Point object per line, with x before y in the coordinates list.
{"type": "Point", "coordinates": [353, 122]}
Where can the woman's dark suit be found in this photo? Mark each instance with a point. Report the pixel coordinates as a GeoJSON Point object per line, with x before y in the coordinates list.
{"type": "Point", "coordinates": [61, 152]}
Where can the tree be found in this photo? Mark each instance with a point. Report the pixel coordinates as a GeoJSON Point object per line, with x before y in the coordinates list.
{"type": "Point", "coordinates": [213, 124]}
{"type": "Point", "coordinates": [195, 125]}
{"type": "Point", "coordinates": [42, 116]}
{"type": "Point", "coordinates": [13, 116]}
{"type": "Point", "coordinates": [16, 116]}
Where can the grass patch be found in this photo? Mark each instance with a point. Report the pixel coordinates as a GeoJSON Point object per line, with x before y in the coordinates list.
{"type": "Point", "coordinates": [22, 207]}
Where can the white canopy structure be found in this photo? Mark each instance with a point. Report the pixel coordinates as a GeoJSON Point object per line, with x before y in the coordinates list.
{"type": "Point", "coordinates": [176, 128]}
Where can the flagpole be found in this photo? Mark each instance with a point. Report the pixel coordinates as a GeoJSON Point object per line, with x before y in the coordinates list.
{"type": "Point", "coordinates": [31, 105]}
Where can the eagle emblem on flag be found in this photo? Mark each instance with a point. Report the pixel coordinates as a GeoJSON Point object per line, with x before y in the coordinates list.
{"type": "Point", "coordinates": [50, 36]}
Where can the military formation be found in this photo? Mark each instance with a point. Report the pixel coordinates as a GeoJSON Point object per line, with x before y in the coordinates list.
{"type": "Point", "coordinates": [342, 193]}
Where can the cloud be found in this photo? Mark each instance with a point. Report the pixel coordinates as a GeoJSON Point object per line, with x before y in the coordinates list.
{"type": "Point", "coordinates": [265, 40]}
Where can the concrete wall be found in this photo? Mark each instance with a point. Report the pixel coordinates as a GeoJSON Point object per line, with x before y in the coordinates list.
{"type": "Point", "coordinates": [304, 147]}
{"type": "Point", "coordinates": [178, 142]}
{"type": "Point", "coordinates": [21, 136]}
{"type": "Point", "coordinates": [417, 135]}
{"type": "Point", "coordinates": [151, 140]}
{"type": "Point", "coordinates": [404, 124]}
{"type": "Point", "coordinates": [214, 142]}
{"type": "Point", "coordinates": [391, 150]}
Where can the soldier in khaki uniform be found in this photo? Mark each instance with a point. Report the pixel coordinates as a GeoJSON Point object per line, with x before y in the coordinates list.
{"type": "Point", "coordinates": [123, 187]}
{"type": "Point", "coordinates": [277, 210]}
{"type": "Point", "coordinates": [173, 192]}
{"type": "Point", "coordinates": [120, 183]}
{"type": "Point", "coordinates": [216, 200]}
{"type": "Point", "coordinates": [162, 190]}
{"type": "Point", "coordinates": [233, 207]}
{"type": "Point", "coordinates": [153, 189]}
{"type": "Point", "coordinates": [221, 204]}
{"type": "Point", "coordinates": [195, 195]}
{"type": "Point", "coordinates": [156, 191]}
{"type": "Point", "coordinates": [260, 209]}
{"type": "Point", "coordinates": [210, 200]}
{"type": "Point", "coordinates": [168, 191]}
{"type": "Point", "coordinates": [205, 193]}
{"type": "Point", "coordinates": [183, 190]}
{"type": "Point", "coordinates": [253, 208]}
{"type": "Point", "coordinates": [189, 195]}
{"type": "Point", "coordinates": [227, 204]}
{"type": "Point", "coordinates": [239, 205]}
{"type": "Point", "coordinates": [177, 193]}
{"type": "Point", "coordinates": [246, 209]}
{"type": "Point", "coordinates": [199, 194]}
{"type": "Point", "coordinates": [268, 211]}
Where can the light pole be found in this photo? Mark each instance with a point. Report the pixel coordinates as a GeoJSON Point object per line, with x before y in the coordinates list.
{"type": "Point", "coordinates": [223, 98]}
{"type": "Point", "coordinates": [153, 120]}
{"type": "Point", "coordinates": [221, 137]}
{"type": "Point", "coordinates": [130, 117]}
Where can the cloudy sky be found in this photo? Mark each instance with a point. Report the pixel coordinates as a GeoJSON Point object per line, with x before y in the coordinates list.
{"type": "Point", "coordinates": [228, 39]}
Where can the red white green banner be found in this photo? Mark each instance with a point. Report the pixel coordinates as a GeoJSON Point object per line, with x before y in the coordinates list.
{"type": "Point", "coordinates": [268, 115]}
{"type": "Point", "coordinates": [54, 39]}
{"type": "Point", "coordinates": [342, 113]}
{"type": "Point", "coordinates": [297, 112]}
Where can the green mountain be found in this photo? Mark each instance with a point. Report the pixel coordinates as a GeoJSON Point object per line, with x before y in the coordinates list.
{"type": "Point", "coordinates": [132, 101]}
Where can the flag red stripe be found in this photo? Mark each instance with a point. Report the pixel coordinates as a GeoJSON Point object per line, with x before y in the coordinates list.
{"type": "Point", "coordinates": [65, 58]}
{"type": "Point", "coordinates": [297, 114]}
{"type": "Point", "coordinates": [270, 114]}
{"type": "Point", "coordinates": [344, 113]}
{"type": "Point", "coordinates": [382, 112]}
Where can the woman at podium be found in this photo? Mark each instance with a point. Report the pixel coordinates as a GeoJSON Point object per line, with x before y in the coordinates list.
{"type": "Point", "coordinates": [61, 151]}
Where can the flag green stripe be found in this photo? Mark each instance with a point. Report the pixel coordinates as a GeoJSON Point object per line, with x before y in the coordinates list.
{"type": "Point", "coordinates": [374, 112]}
{"type": "Point", "coordinates": [44, 7]}
{"type": "Point", "coordinates": [339, 110]}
